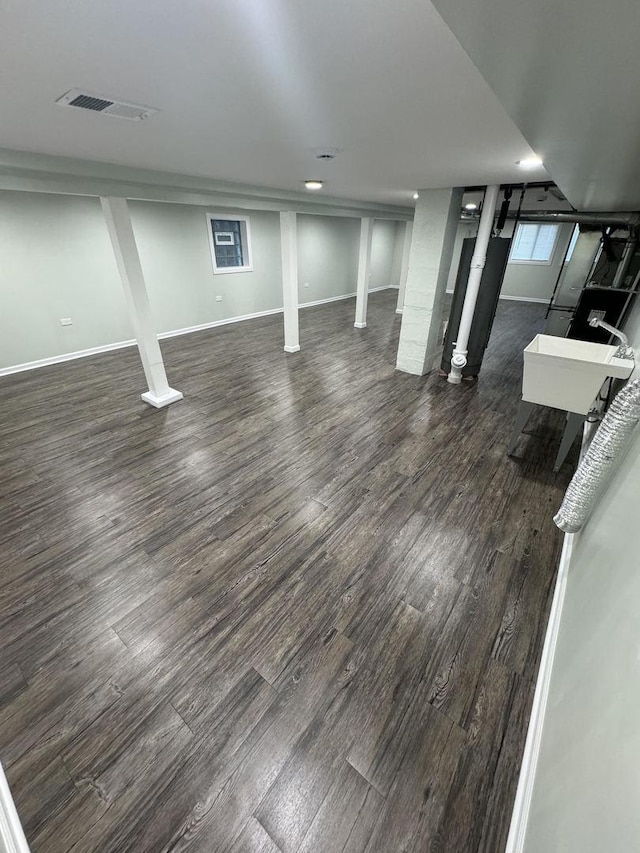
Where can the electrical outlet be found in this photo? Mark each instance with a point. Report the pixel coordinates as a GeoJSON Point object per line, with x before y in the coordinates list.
{"type": "Point", "coordinates": [218, 298]}
{"type": "Point", "coordinates": [66, 321]}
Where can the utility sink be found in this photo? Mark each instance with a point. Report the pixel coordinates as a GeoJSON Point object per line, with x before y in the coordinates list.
{"type": "Point", "coordinates": [567, 374]}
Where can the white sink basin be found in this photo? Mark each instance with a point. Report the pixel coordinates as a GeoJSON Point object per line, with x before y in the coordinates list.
{"type": "Point", "coordinates": [568, 374]}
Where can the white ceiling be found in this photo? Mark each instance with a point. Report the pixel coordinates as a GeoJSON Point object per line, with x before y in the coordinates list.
{"type": "Point", "coordinates": [249, 88]}
{"type": "Point", "coordinates": [567, 72]}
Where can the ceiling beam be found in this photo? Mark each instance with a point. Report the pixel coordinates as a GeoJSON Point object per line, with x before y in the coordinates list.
{"type": "Point", "coordinates": [25, 172]}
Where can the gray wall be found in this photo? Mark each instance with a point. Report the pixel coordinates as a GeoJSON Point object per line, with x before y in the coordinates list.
{"type": "Point", "coordinates": [396, 263]}
{"type": "Point", "coordinates": [587, 784]}
{"type": "Point", "coordinates": [57, 262]}
{"type": "Point", "coordinates": [173, 243]}
{"type": "Point", "coordinates": [523, 281]}
{"type": "Point", "coordinates": [383, 248]}
{"type": "Point", "coordinates": [327, 256]}
{"type": "Point", "coordinates": [535, 281]}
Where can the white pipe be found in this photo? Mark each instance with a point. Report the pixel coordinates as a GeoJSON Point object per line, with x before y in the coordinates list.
{"type": "Point", "coordinates": [460, 348]}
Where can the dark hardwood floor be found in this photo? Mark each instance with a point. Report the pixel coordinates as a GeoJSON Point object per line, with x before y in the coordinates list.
{"type": "Point", "coordinates": [301, 610]}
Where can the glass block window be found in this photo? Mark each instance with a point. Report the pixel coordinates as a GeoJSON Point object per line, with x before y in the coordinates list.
{"type": "Point", "coordinates": [229, 240]}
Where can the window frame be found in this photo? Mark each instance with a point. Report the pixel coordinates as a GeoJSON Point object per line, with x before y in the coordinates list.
{"type": "Point", "coordinates": [575, 236]}
{"type": "Point", "coordinates": [245, 235]}
{"type": "Point", "coordinates": [532, 262]}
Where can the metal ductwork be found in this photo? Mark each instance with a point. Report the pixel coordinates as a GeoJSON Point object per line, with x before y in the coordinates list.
{"type": "Point", "coordinates": [605, 452]}
{"type": "Point", "coordinates": [602, 220]}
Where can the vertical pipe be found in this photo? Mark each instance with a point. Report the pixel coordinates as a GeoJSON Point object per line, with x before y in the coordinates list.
{"type": "Point", "coordinates": [478, 260]}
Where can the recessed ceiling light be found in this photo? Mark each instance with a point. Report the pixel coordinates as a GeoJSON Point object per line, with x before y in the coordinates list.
{"type": "Point", "coordinates": [529, 163]}
{"type": "Point", "coordinates": [313, 184]}
{"type": "Point", "coordinates": [471, 206]}
{"type": "Point", "coordinates": [416, 196]}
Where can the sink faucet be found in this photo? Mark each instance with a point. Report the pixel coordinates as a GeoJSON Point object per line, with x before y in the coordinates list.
{"type": "Point", "coordinates": [624, 350]}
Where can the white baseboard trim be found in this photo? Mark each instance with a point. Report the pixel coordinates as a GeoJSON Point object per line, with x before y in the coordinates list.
{"type": "Point", "coordinates": [68, 356]}
{"type": "Point", "coordinates": [202, 327]}
{"type": "Point", "coordinates": [526, 780]}
{"type": "Point", "coordinates": [12, 838]}
{"type": "Point", "coordinates": [329, 299]}
{"type": "Point", "coordinates": [345, 296]}
{"type": "Point", "coordinates": [524, 793]}
{"type": "Point", "coordinates": [174, 333]}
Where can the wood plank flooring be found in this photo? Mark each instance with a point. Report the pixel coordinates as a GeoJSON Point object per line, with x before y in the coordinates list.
{"type": "Point", "coordinates": [300, 611]}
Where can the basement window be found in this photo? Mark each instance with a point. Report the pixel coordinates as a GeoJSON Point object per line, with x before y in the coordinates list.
{"type": "Point", "coordinates": [534, 243]}
{"type": "Point", "coordinates": [572, 244]}
{"type": "Point", "coordinates": [230, 242]}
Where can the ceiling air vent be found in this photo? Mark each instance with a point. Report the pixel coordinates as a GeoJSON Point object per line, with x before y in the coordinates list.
{"type": "Point", "coordinates": [106, 106]}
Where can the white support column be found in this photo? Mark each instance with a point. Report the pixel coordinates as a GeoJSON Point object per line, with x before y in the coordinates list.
{"type": "Point", "coordinates": [434, 230]}
{"type": "Point", "coordinates": [404, 268]}
{"type": "Point", "coordinates": [364, 267]}
{"type": "Point", "coordinates": [478, 260]}
{"type": "Point", "coordinates": [289, 247]}
{"type": "Point", "coordinates": [116, 214]}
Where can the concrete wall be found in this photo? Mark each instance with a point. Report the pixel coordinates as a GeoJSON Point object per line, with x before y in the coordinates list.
{"type": "Point", "coordinates": [521, 281]}
{"type": "Point", "coordinates": [587, 782]}
{"type": "Point", "coordinates": [57, 262]}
